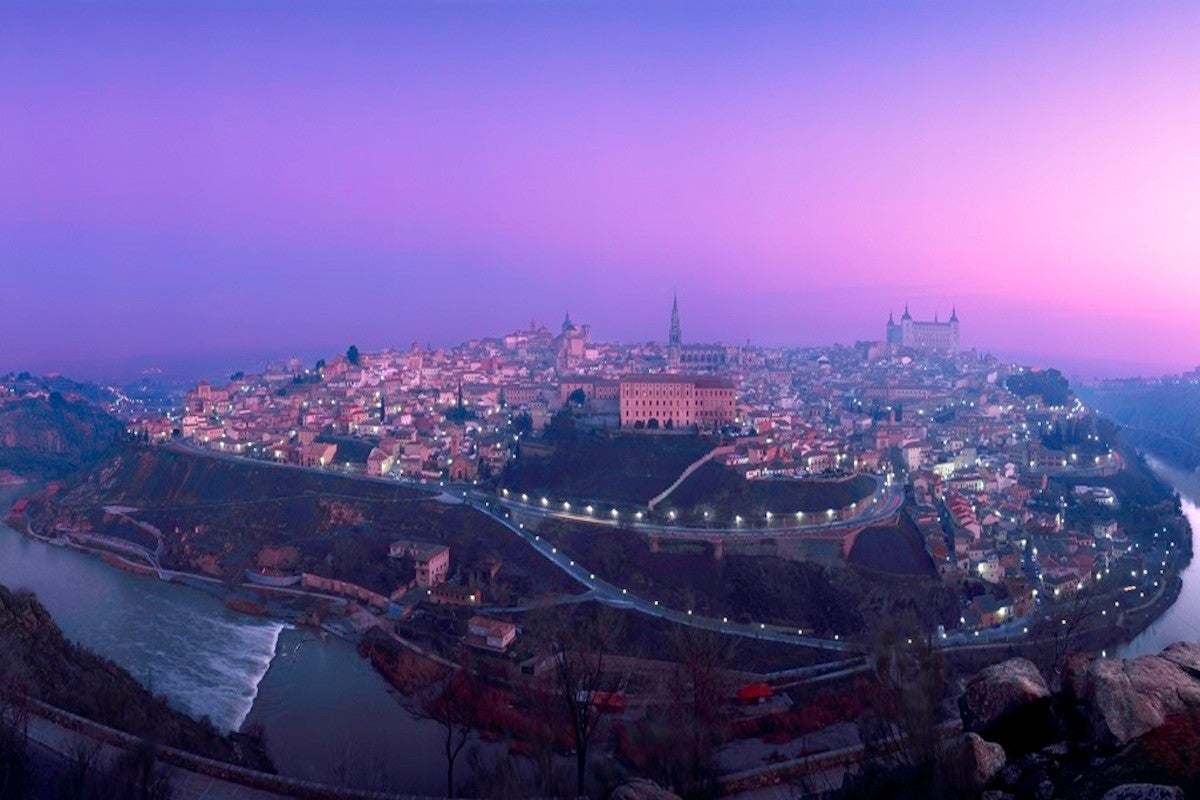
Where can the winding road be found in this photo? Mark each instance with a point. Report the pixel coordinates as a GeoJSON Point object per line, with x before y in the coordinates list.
{"type": "Point", "coordinates": [886, 501]}
{"type": "Point", "coordinates": [619, 597]}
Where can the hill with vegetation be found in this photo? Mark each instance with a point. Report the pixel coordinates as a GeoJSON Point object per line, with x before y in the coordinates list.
{"type": "Point", "coordinates": [217, 514]}
{"type": "Point", "coordinates": [602, 466]}
{"type": "Point", "coordinates": [1049, 384]}
{"type": "Point", "coordinates": [48, 435]}
{"type": "Point", "coordinates": [845, 600]}
{"type": "Point", "coordinates": [724, 493]}
{"type": "Point", "coordinates": [896, 548]}
{"type": "Point", "coordinates": [38, 661]}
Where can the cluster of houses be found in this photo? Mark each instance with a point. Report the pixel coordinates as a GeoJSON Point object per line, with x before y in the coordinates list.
{"type": "Point", "coordinates": [973, 451]}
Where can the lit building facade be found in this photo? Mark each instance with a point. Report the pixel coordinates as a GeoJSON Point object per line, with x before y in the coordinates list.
{"type": "Point", "coordinates": [929, 337]}
{"type": "Point", "coordinates": [677, 401]}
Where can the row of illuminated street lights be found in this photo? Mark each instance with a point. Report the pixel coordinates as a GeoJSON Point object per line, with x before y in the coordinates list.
{"type": "Point", "coordinates": [1100, 575]}
{"type": "Point", "coordinates": [800, 632]}
{"type": "Point", "coordinates": [762, 626]}
{"type": "Point", "coordinates": [672, 515]}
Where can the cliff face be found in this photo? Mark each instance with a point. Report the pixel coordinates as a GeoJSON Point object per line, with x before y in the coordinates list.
{"type": "Point", "coordinates": [49, 437]}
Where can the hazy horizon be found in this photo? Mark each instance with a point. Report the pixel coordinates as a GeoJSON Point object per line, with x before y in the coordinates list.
{"type": "Point", "coordinates": [184, 367]}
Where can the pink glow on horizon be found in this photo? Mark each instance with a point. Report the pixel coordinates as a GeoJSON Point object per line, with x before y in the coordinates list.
{"type": "Point", "coordinates": [1038, 168]}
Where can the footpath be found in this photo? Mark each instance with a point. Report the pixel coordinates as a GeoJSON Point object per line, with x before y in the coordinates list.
{"type": "Point", "coordinates": [192, 777]}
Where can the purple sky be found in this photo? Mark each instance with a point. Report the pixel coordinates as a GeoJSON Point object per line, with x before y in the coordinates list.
{"type": "Point", "coordinates": [195, 179]}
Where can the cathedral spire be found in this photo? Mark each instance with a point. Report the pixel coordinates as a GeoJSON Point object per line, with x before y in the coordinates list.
{"type": "Point", "coordinates": [675, 335]}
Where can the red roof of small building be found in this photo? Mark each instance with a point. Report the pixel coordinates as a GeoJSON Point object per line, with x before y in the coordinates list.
{"type": "Point", "coordinates": [755, 691]}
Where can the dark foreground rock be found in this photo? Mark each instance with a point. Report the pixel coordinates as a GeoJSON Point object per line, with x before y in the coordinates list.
{"type": "Point", "coordinates": [1134, 729]}
{"type": "Point", "coordinates": [1144, 791]}
{"type": "Point", "coordinates": [1126, 699]}
{"type": "Point", "coordinates": [641, 789]}
{"type": "Point", "coordinates": [1000, 690]}
{"type": "Point", "coordinates": [972, 763]}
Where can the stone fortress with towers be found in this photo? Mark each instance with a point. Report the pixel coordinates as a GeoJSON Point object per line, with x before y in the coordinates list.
{"type": "Point", "coordinates": [929, 337]}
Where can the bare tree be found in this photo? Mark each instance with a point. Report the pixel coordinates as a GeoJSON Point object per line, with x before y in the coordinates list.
{"type": "Point", "coordinates": [582, 680]}
{"type": "Point", "coordinates": [906, 697]}
{"type": "Point", "coordinates": [1064, 630]}
{"type": "Point", "coordinates": [698, 687]}
{"type": "Point", "coordinates": [349, 768]}
{"type": "Point", "coordinates": [450, 701]}
{"type": "Point", "coordinates": [547, 730]}
{"type": "Point", "coordinates": [81, 774]}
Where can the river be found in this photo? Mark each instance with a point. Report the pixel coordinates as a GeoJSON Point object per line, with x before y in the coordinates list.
{"type": "Point", "coordinates": [1181, 622]}
{"type": "Point", "coordinates": [325, 711]}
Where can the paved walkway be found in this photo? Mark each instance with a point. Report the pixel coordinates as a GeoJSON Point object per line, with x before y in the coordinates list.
{"type": "Point", "coordinates": [185, 785]}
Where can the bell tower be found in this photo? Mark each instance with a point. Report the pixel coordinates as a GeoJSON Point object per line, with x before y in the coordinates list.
{"type": "Point", "coordinates": [675, 336]}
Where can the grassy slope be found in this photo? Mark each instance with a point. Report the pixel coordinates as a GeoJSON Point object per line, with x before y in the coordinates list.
{"type": "Point", "coordinates": [633, 468]}
{"type": "Point", "coordinates": [619, 468]}
{"type": "Point", "coordinates": [757, 589]}
{"type": "Point", "coordinates": [728, 493]}
{"type": "Point", "coordinates": [342, 526]}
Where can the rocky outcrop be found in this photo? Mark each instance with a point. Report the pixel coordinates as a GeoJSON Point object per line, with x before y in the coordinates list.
{"type": "Point", "coordinates": [1000, 691]}
{"type": "Point", "coordinates": [1119, 730]}
{"type": "Point", "coordinates": [1125, 699]}
{"type": "Point", "coordinates": [641, 789]}
{"type": "Point", "coordinates": [1010, 703]}
{"type": "Point", "coordinates": [1144, 791]}
{"type": "Point", "coordinates": [52, 436]}
{"type": "Point", "coordinates": [972, 763]}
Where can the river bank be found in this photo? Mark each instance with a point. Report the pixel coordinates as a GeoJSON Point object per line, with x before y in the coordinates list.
{"type": "Point", "coordinates": [1181, 620]}
{"type": "Point", "coordinates": [300, 689]}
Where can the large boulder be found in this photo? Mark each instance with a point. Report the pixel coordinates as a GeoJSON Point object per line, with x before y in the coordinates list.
{"type": "Point", "coordinates": [970, 763]}
{"type": "Point", "coordinates": [1009, 695]}
{"type": "Point", "coordinates": [1126, 699]}
{"type": "Point", "coordinates": [1144, 791]}
{"type": "Point", "coordinates": [641, 789]}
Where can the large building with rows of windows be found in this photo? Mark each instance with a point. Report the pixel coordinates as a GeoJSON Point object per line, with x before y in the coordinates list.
{"type": "Point", "coordinates": [676, 401]}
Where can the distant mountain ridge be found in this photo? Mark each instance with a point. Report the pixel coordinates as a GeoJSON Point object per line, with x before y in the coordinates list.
{"type": "Point", "coordinates": [1163, 417]}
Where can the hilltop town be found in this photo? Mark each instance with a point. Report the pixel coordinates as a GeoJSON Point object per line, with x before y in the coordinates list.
{"type": "Point", "coordinates": [457, 507]}
{"type": "Point", "coordinates": [1008, 478]}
